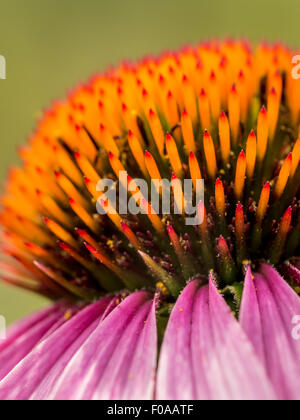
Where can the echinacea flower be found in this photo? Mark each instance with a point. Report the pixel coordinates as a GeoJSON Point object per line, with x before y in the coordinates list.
{"type": "Point", "coordinates": [147, 307]}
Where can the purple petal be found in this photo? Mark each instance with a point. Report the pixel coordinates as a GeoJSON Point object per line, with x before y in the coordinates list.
{"type": "Point", "coordinates": [251, 319]}
{"type": "Point", "coordinates": [175, 378]}
{"type": "Point", "coordinates": [114, 362]}
{"type": "Point", "coordinates": [23, 336]}
{"type": "Point", "coordinates": [140, 382]}
{"type": "Point", "coordinates": [45, 388]}
{"type": "Point", "coordinates": [271, 330]}
{"type": "Point", "coordinates": [205, 353]}
{"type": "Point", "coordinates": [242, 371]}
{"type": "Point", "coordinates": [18, 328]}
{"type": "Point", "coordinates": [25, 378]}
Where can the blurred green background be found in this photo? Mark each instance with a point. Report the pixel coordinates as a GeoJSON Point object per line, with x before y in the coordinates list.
{"type": "Point", "coordinates": [50, 45]}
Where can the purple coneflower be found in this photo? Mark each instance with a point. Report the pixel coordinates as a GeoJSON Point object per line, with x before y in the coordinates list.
{"type": "Point", "coordinates": [145, 306]}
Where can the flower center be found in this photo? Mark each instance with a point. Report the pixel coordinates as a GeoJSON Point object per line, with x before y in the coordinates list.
{"type": "Point", "coordinates": [217, 113]}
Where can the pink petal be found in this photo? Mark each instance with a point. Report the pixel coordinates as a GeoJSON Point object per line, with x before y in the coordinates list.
{"type": "Point", "coordinates": [114, 362]}
{"type": "Point", "coordinates": [45, 388]}
{"type": "Point", "coordinates": [205, 353]}
{"type": "Point", "coordinates": [242, 371]}
{"type": "Point", "coordinates": [23, 336]}
{"type": "Point", "coordinates": [18, 328]}
{"type": "Point", "coordinates": [25, 378]}
{"type": "Point", "coordinates": [175, 378]}
{"type": "Point", "coordinates": [275, 305]}
{"type": "Point", "coordinates": [251, 319]}
{"type": "Point", "coordinates": [140, 383]}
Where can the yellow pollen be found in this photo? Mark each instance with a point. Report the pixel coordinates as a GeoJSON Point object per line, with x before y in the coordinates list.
{"type": "Point", "coordinates": [68, 315]}
{"type": "Point", "coordinates": [162, 288]}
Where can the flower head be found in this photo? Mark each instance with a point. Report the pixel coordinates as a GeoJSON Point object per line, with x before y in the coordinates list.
{"type": "Point", "coordinates": [218, 112]}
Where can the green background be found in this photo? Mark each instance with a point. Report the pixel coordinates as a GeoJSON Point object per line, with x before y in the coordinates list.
{"type": "Point", "coordinates": [50, 45]}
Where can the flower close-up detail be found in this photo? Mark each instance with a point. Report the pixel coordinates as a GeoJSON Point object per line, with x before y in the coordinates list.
{"type": "Point", "coordinates": [146, 306]}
